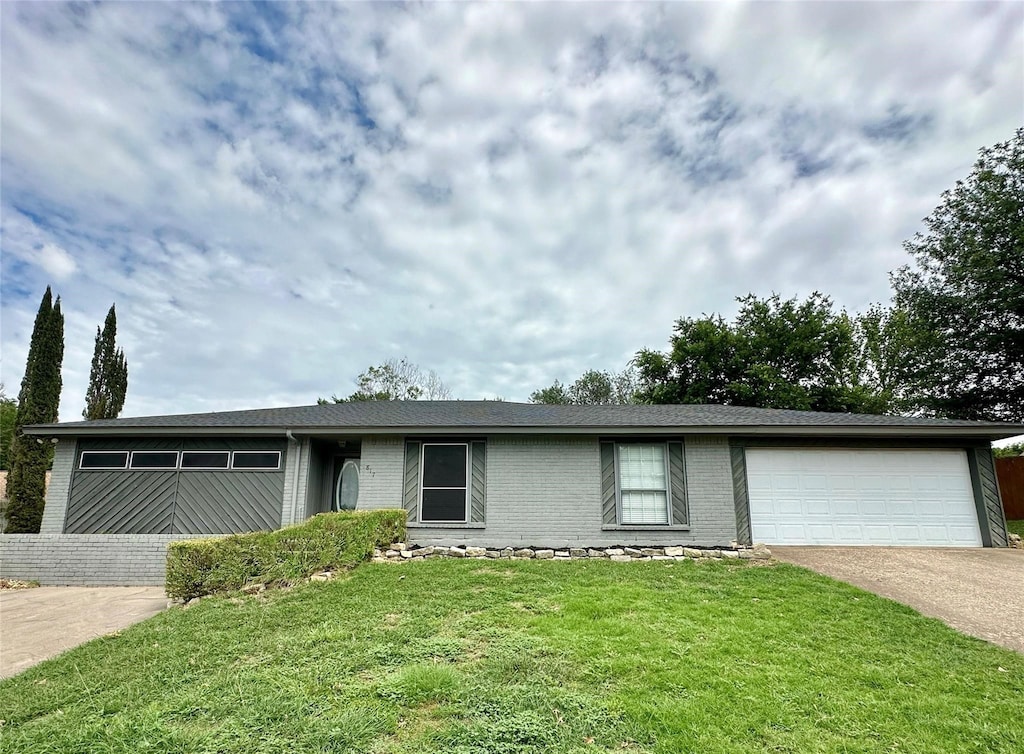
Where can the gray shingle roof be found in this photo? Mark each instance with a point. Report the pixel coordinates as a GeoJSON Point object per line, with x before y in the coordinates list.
{"type": "Point", "coordinates": [424, 415]}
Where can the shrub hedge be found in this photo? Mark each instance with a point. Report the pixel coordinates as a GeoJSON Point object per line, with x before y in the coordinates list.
{"type": "Point", "coordinates": [197, 567]}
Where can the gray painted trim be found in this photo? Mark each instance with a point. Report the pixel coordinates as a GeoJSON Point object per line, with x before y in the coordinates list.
{"type": "Point", "coordinates": [991, 517]}
{"type": "Point", "coordinates": [644, 527]}
{"type": "Point", "coordinates": [852, 442]}
{"type": "Point", "coordinates": [979, 499]}
{"type": "Point", "coordinates": [679, 514]}
{"type": "Point", "coordinates": [609, 498]}
{"type": "Point", "coordinates": [981, 433]}
{"type": "Point", "coordinates": [411, 489]}
{"type": "Point", "coordinates": [478, 481]}
{"type": "Point", "coordinates": [741, 498]}
{"type": "Point", "coordinates": [442, 525]}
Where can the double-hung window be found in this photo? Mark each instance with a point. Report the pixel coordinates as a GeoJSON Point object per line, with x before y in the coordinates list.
{"type": "Point", "coordinates": [643, 483]}
{"type": "Point", "coordinates": [444, 482]}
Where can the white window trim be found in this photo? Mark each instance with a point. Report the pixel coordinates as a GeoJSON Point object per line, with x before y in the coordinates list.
{"type": "Point", "coordinates": [235, 453]}
{"type": "Point", "coordinates": [419, 509]}
{"type": "Point", "coordinates": [619, 490]}
{"type": "Point", "coordinates": [225, 467]}
{"type": "Point", "coordinates": [81, 460]}
{"type": "Point", "coordinates": [132, 454]}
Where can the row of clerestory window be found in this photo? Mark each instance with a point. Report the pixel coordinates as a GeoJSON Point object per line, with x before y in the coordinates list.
{"type": "Point", "coordinates": [186, 460]}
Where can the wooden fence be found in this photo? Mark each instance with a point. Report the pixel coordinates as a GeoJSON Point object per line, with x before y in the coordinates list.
{"type": "Point", "coordinates": [1010, 472]}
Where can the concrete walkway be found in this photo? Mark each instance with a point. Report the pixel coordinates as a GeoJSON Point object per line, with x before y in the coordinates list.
{"type": "Point", "coordinates": [979, 591]}
{"type": "Point", "coordinates": [36, 624]}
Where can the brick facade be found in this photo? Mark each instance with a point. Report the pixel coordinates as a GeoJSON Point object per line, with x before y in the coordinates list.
{"type": "Point", "coordinates": [545, 491]}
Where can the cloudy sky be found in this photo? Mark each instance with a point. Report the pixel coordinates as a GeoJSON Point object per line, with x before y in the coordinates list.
{"type": "Point", "coordinates": [278, 196]}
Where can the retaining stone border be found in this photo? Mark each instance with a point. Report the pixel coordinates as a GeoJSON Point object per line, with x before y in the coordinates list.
{"type": "Point", "coordinates": [399, 552]}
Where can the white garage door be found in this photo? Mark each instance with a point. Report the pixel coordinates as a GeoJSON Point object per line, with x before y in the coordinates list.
{"type": "Point", "coordinates": [861, 497]}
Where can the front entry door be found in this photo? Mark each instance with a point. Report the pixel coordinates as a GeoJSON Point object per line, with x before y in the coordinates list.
{"type": "Point", "coordinates": [345, 488]}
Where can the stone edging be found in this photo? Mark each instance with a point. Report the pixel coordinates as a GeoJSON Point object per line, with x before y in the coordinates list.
{"type": "Point", "coordinates": [399, 552]}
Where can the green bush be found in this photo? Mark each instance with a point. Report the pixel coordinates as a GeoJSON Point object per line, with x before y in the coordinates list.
{"type": "Point", "coordinates": [197, 567]}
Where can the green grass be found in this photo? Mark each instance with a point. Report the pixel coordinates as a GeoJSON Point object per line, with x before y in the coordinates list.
{"type": "Point", "coordinates": [1016, 527]}
{"type": "Point", "coordinates": [478, 657]}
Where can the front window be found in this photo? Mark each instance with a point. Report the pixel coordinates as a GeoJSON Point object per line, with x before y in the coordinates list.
{"type": "Point", "coordinates": [643, 484]}
{"type": "Point", "coordinates": [443, 484]}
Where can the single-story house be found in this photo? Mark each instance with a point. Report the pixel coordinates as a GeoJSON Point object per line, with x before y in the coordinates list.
{"type": "Point", "coordinates": [497, 474]}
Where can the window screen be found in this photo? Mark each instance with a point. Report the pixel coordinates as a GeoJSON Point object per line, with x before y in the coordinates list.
{"type": "Point", "coordinates": [256, 459]}
{"type": "Point", "coordinates": [204, 459]}
{"type": "Point", "coordinates": [443, 495]}
{"type": "Point", "coordinates": [95, 459]}
{"type": "Point", "coordinates": [643, 484]}
{"type": "Point", "coordinates": [154, 459]}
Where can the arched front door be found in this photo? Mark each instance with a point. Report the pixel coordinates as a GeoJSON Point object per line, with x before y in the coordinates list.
{"type": "Point", "coordinates": [346, 485]}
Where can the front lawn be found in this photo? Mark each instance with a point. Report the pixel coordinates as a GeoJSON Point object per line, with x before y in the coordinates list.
{"type": "Point", "coordinates": [1016, 527]}
{"type": "Point", "coordinates": [478, 657]}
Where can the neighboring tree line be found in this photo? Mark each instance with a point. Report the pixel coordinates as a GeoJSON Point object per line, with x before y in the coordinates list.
{"type": "Point", "coordinates": [396, 380]}
{"type": "Point", "coordinates": [28, 458]}
{"type": "Point", "coordinates": [951, 343]}
{"type": "Point", "coordinates": [1009, 451]}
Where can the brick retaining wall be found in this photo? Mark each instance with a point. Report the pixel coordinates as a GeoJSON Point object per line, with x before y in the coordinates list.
{"type": "Point", "coordinates": [86, 559]}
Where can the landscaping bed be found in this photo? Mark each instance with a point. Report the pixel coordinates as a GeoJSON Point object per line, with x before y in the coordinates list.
{"type": "Point", "coordinates": [329, 541]}
{"type": "Point", "coordinates": [523, 656]}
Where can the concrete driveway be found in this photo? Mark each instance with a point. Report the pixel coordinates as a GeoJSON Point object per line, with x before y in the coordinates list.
{"type": "Point", "coordinates": [979, 591]}
{"type": "Point", "coordinates": [36, 624]}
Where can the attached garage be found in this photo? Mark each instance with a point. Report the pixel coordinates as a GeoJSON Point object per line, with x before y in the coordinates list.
{"type": "Point", "coordinates": [847, 496]}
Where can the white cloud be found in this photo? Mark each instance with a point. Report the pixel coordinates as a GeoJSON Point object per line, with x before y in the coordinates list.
{"type": "Point", "coordinates": [55, 261]}
{"type": "Point", "coordinates": [278, 197]}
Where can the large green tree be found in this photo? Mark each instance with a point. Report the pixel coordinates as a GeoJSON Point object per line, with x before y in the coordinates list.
{"type": "Point", "coordinates": [594, 387]}
{"type": "Point", "coordinates": [964, 294]}
{"type": "Point", "coordinates": [777, 353]}
{"type": "Point", "coordinates": [8, 415]}
{"type": "Point", "coordinates": [38, 402]}
{"type": "Point", "coordinates": [396, 380]}
{"type": "Point", "coordinates": [108, 378]}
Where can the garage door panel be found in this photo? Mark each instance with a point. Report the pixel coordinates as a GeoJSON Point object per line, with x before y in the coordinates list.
{"type": "Point", "coordinates": [853, 496]}
{"type": "Point", "coordinates": [817, 507]}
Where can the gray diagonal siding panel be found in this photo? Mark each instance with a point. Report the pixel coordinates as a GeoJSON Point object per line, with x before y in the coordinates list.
{"type": "Point", "coordinates": [182, 502]}
{"type": "Point", "coordinates": [677, 483]}
{"type": "Point", "coordinates": [479, 482]}
{"type": "Point", "coordinates": [609, 514]}
{"type": "Point", "coordinates": [119, 502]}
{"type": "Point", "coordinates": [122, 443]}
{"type": "Point", "coordinates": [215, 502]}
{"type": "Point", "coordinates": [739, 492]}
{"type": "Point", "coordinates": [411, 492]}
{"type": "Point", "coordinates": [991, 504]}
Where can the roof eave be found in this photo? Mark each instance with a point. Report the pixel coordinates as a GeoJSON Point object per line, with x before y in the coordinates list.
{"type": "Point", "coordinates": [988, 432]}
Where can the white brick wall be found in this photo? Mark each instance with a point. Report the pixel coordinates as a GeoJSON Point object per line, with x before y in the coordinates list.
{"type": "Point", "coordinates": [59, 489]}
{"type": "Point", "coordinates": [546, 491]}
{"type": "Point", "coordinates": [86, 559]}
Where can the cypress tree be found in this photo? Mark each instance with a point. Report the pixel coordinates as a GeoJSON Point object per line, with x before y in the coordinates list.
{"type": "Point", "coordinates": [38, 402]}
{"type": "Point", "coordinates": [108, 379]}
